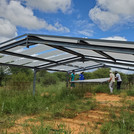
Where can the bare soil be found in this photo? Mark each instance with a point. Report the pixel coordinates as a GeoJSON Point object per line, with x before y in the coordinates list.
{"type": "Point", "coordinates": [89, 121]}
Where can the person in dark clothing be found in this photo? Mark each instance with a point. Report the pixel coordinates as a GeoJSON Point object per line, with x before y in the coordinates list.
{"type": "Point", "coordinates": [72, 79]}
{"type": "Point", "coordinates": [118, 79]}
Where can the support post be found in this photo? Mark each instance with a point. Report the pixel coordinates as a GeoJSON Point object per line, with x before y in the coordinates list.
{"type": "Point", "coordinates": [34, 82]}
{"type": "Point", "coordinates": [67, 79]}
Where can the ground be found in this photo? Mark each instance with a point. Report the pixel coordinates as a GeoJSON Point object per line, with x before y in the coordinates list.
{"type": "Point", "coordinates": [88, 121]}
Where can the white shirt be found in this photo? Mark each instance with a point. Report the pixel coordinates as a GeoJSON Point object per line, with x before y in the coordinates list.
{"type": "Point", "coordinates": [118, 77]}
{"type": "Point", "coordinates": [112, 77]}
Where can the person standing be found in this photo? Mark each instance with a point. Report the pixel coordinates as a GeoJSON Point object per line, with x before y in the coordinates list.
{"type": "Point", "coordinates": [111, 81]}
{"type": "Point", "coordinates": [72, 79]}
{"type": "Point", "coordinates": [81, 76]}
{"type": "Point", "coordinates": [119, 80]}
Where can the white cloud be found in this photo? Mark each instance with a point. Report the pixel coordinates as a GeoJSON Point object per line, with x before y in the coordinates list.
{"type": "Point", "coordinates": [4, 38]}
{"type": "Point", "coordinates": [19, 15]}
{"type": "Point", "coordinates": [49, 5]}
{"type": "Point", "coordinates": [120, 7]}
{"type": "Point", "coordinates": [59, 27]}
{"type": "Point", "coordinates": [116, 38]}
{"type": "Point", "coordinates": [87, 33]}
{"type": "Point", "coordinates": [85, 28]}
{"type": "Point", "coordinates": [103, 18]}
{"type": "Point", "coordinates": [13, 14]}
{"type": "Point", "coordinates": [107, 13]}
{"type": "Point", "coordinates": [7, 30]}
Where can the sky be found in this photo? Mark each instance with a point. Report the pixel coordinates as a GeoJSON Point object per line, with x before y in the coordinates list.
{"type": "Point", "coordinates": [96, 19]}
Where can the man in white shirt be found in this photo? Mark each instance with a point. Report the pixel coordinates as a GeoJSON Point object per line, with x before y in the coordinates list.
{"type": "Point", "coordinates": [111, 81]}
{"type": "Point", "coordinates": [119, 80]}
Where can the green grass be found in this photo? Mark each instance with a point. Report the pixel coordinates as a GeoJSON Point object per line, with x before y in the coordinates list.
{"type": "Point", "coordinates": [56, 101]}
{"type": "Point", "coordinates": [121, 119]}
{"type": "Point", "coordinates": [49, 102]}
{"type": "Point", "coordinates": [120, 125]}
{"type": "Point", "coordinates": [42, 129]}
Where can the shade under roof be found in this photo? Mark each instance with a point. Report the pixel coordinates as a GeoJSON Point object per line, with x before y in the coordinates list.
{"type": "Point", "coordinates": [58, 53]}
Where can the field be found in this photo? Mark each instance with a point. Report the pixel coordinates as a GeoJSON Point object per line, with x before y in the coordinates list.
{"type": "Point", "coordinates": [55, 109]}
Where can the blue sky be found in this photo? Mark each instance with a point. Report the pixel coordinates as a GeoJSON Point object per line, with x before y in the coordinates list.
{"type": "Point", "coordinates": [99, 19]}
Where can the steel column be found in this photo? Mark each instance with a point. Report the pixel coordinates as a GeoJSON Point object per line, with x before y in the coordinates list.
{"type": "Point", "coordinates": [34, 82]}
{"type": "Point", "coordinates": [67, 79]}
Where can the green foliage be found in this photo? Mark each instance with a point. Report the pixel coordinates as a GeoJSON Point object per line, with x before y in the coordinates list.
{"type": "Point", "coordinates": [2, 75]}
{"type": "Point", "coordinates": [124, 78]}
{"type": "Point", "coordinates": [99, 73]}
{"type": "Point", "coordinates": [20, 81]}
{"type": "Point", "coordinates": [124, 124]}
{"type": "Point", "coordinates": [46, 78]}
{"type": "Point", "coordinates": [100, 88]}
{"type": "Point", "coordinates": [50, 100]}
{"type": "Point", "coordinates": [61, 76]}
{"type": "Point", "coordinates": [19, 103]}
{"type": "Point", "coordinates": [130, 92]}
{"type": "Point", "coordinates": [15, 70]}
{"type": "Point", "coordinates": [80, 91]}
{"type": "Point", "coordinates": [49, 79]}
{"type": "Point", "coordinates": [130, 78]}
{"type": "Point", "coordinates": [41, 73]}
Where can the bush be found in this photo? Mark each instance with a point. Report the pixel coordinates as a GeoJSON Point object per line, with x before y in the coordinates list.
{"type": "Point", "coordinates": [2, 75]}
{"type": "Point", "coordinates": [49, 79]}
{"type": "Point", "coordinates": [20, 81]}
{"type": "Point", "coordinates": [61, 76]}
{"type": "Point", "coordinates": [100, 88]}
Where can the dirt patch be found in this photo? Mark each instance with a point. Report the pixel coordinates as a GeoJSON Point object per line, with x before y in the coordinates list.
{"type": "Point", "coordinates": [89, 121]}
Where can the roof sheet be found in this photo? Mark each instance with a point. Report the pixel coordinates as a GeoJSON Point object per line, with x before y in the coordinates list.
{"type": "Point", "coordinates": [66, 53]}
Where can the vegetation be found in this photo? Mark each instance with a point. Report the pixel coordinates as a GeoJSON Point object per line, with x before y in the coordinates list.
{"type": "Point", "coordinates": [54, 100]}
{"type": "Point", "coordinates": [122, 121]}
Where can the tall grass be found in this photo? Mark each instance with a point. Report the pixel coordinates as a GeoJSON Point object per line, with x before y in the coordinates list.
{"type": "Point", "coordinates": [120, 125]}
{"type": "Point", "coordinates": [53, 99]}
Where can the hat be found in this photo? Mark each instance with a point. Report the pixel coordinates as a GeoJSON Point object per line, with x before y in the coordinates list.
{"type": "Point", "coordinates": [110, 71]}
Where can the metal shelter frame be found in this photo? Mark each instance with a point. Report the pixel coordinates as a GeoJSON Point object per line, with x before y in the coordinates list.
{"type": "Point", "coordinates": [59, 53]}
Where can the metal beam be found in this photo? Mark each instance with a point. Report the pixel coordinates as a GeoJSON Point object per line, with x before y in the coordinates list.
{"type": "Point", "coordinates": [88, 68]}
{"type": "Point", "coordinates": [120, 67]}
{"type": "Point", "coordinates": [81, 45]}
{"type": "Point", "coordinates": [60, 63]}
{"type": "Point", "coordinates": [55, 70]}
{"type": "Point", "coordinates": [67, 50]}
{"type": "Point", "coordinates": [102, 60]}
{"type": "Point", "coordinates": [105, 55]}
{"type": "Point", "coordinates": [14, 65]}
{"type": "Point", "coordinates": [13, 39]}
{"type": "Point", "coordinates": [39, 37]}
{"type": "Point", "coordinates": [70, 65]}
{"type": "Point", "coordinates": [14, 44]}
{"type": "Point", "coordinates": [27, 56]}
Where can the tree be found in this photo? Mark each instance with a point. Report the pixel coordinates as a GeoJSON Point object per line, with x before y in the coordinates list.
{"type": "Point", "coordinates": [2, 74]}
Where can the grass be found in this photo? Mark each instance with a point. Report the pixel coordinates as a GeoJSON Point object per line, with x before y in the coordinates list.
{"type": "Point", "coordinates": [54, 101]}
{"type": "Point", "coordinates": [121, 119]}
{"type": "Point", "coordinates": [48, 129]}
{"type": "Point", "coordinates": [124, 124]}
